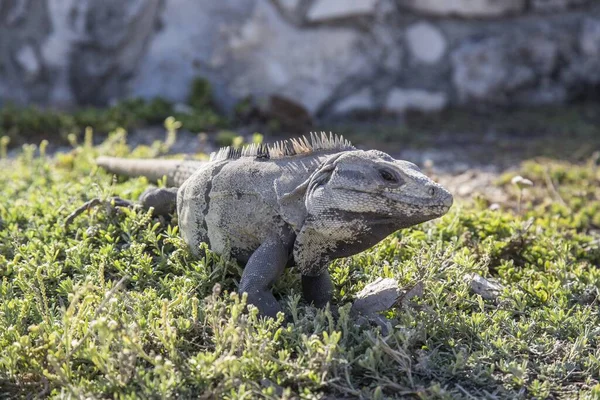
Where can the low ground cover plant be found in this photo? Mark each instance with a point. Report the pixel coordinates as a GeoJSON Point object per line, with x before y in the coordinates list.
{"type": "Point", "coordinates": [30, 124]}
{"type": "Point", "coordinates": [115, 306]}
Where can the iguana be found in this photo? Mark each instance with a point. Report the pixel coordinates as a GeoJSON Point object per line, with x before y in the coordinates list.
{"type": "Point", "coordinates": [302, 202]}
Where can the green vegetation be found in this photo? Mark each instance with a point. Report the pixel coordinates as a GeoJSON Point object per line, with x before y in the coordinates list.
{"type": "Point", "coordinates": [27, 124]}
{"type": "Point", "coordinates": [116, 306]}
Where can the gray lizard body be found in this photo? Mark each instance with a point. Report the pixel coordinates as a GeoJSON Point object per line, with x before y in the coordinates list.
{"type": "Point", "coordinates": [298, 202]}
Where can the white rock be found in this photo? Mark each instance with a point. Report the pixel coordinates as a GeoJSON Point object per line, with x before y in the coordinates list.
{"type": "Point", "coordinates": [466, 8]}
{"type": "Point", "coordinates": [28, 61]}
{"type": "Point", "coordinates": [425, 42]}
{"type": "Point", "coordinates": [494, 69]}
{"type": "Point", "coordinates": [377, 296]}
{"type": "Point", "coordinates": [247, 49]}
{"type": "Point", "coordinates": [362, 100]}
{"type": "Point", "coordinates": [487, 289]}
{"type": "Point", "coordinates": [185, 46]}
{"type": "Point", "coordinates": [57, 47]}
{"type": "Point", "coordinates": [72, 52]}
{"type": "Point", "coordinates": [335, 9]}
{"type": "Point", "coordinates": [92, 45]}
{"type": "Point", "coordinates": [401, 100]}
{"type": "Point", "coordinates": [267, 56]}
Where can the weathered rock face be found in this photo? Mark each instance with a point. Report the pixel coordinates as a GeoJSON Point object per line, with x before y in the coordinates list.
{"type": "Point", "coordinates": [266, 55]}
{"type": "Point", "coordinates": [68, 51]}
{"type": "Point", "coordinates": [583, 73]}
{"type": "Point", "coordinates": [500, 68]}
{"type": "Point", "coordinates": [556, 5]}
{"type": "Point", "coordinates": [529, 66]}
{"type": "Point", "coordinates": [116, 34]}
{"type": "Point", "coordinates": [23, 75]}
{"type": "Point", "coordinates": [330, 57]}
{"type": "Point", "coordinates": [465, 8]}
{"type": "Point", "coordinates": [185, 47]}
{"type": "Point", "coordinates": [589, 39]}
{"type": "Point", "coordinates": [325, 10]}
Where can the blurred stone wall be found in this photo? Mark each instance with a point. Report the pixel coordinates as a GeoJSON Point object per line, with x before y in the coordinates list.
{"type": "Point", "coordinates": [331, 56]}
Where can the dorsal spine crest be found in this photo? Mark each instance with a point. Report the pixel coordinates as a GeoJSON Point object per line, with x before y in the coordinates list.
{"type": "Point", "coordinates": [285, 148]}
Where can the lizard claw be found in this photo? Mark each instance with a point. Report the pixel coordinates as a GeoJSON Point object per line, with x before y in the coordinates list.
{"type": "Point", "coordinates": [113, 202]}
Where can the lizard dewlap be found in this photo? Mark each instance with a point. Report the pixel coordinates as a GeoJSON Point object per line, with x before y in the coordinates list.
{"type": "Point", "coordinates": [302, 202]}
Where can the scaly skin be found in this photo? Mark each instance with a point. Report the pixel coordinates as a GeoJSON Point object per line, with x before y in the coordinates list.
{"type": "Point", "coordinates": [295, 203]}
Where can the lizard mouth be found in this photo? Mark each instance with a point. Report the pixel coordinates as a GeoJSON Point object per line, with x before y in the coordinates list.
{"type": "Point", "coordinates": [409, 216]}
{"type": "Point", "coordinates": [430, 207]}
{"type": "Point", "coordinates": [436, 205]}
{"type": "Point", "coordinates": [441, 210]}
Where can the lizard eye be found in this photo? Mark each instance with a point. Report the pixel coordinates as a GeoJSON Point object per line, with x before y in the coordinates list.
{"type": "Point", "coordinates": [389, 176]}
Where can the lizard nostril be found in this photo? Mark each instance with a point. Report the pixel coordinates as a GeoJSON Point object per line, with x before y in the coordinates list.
{"type": "Point", "coordinates": [431, 191]}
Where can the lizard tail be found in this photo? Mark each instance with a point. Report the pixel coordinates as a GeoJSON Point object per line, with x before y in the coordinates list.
{"type": "Point", "coordinates": [176, 171]}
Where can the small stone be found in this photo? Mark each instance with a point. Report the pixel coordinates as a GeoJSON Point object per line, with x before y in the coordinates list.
{"type": "Point", "coordinates": [425, 42]}
{"type": "Point", "coordinates": [485, 288]}
{"type": "Point", "coordinates": [377, 296]}
{"type": "Point", "coordinates": [336, 9]}
{"type": "Point", "coordinates": [401, 100]}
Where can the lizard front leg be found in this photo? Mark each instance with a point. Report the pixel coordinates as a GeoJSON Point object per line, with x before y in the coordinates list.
{"type": "Point", "coordinates": [317, 289]}
{"type": "Point", "coordinates": [264, 267]}
{"type": "Point", "coordinates": [164, 200]}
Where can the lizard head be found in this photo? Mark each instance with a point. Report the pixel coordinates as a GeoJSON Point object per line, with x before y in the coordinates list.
{"type": "Point", "coordinates": [377, 188]}
{"type": "Point", "coordinates": [354, 200]}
